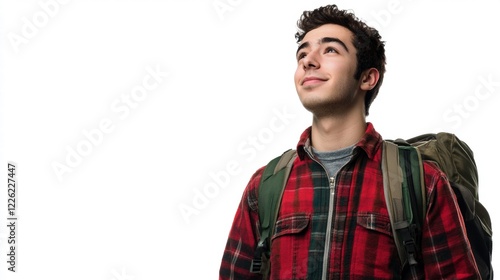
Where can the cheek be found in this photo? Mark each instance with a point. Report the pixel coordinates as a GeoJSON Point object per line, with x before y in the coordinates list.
{"type": "Point", "coordinates": [341, 73]}
{"type": "Point", "coordinates": [334, 66]}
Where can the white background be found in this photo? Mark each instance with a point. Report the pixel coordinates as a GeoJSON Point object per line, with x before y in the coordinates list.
{"type": "Point", "coordinates": [227, 106]}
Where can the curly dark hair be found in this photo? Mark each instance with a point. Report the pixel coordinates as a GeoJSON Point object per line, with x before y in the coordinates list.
{"type": "Point", "coordinates": [366, 40]}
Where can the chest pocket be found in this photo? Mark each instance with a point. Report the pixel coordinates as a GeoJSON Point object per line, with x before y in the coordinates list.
{"type": "Point", "coordinates": [375, 221]}
{"type": "Point", "coordinates": [291, 224]}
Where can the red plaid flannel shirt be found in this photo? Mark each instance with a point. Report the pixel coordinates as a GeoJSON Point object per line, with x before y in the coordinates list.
{"type": "Point", "coordinates": [353, 238]}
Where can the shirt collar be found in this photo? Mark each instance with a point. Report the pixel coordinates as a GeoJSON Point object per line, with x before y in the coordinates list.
{"type": "Point", "coordinates": [370, 142]}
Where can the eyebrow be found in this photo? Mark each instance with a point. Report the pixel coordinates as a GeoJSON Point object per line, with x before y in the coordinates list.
{"type": "Point", "coordinates": [324, 40]}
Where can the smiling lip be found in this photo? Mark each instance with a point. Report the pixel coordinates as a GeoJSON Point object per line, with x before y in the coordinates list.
{"type": "Point", "coordinates": [312, 80]}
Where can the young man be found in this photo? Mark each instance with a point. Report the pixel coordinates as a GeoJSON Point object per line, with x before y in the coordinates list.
{"type": "Point", "coordinates": [333, 222]}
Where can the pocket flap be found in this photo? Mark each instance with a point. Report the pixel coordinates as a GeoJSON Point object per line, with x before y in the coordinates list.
{"type": "Point", "coordinates": [375, 221]}
{"type": "Point", "coordinates": [291, 224]}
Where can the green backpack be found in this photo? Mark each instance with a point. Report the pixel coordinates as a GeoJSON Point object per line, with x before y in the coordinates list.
{"type": "Point", "coordinates": [405, 196]}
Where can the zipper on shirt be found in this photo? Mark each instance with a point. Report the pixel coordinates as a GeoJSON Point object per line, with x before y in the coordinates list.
{"type": "Point", "coordinates": [326, 253]}
{"type": "Point", "coordinates": [331, 208]}
{"type": "Point", "coordinates": [332, 185]}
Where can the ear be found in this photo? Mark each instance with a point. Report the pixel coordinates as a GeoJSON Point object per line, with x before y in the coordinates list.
{"type": "Point", "coordinates": [369, 79]}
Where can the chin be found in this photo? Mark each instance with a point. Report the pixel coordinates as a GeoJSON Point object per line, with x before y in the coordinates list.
{"type": "Point", "coordinates": [314, 106]}
{"type": "Point", "coordinates": [313, 99]}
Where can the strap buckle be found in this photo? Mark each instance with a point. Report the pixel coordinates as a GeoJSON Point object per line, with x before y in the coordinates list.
{"type": "Point", "coordinates": [256, 265]}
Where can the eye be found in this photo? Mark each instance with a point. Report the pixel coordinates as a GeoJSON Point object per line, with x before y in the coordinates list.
{"type": "Point", "coordinates": [330, 50]}
{"type": "Point", "coordinates": [301, 55]}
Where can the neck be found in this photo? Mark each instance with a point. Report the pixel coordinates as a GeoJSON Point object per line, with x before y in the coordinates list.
{"type": "Point", "coordinates": [333, 132]}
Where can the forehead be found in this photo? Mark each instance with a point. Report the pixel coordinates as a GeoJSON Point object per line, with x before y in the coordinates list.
{"type": "Point", "coordinates": [328, 30]}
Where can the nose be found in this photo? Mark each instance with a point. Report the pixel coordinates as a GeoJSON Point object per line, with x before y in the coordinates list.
{"type": "Point", "coordinates": [310, 61]}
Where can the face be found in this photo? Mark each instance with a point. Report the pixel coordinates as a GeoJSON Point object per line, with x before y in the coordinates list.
{"type": "Point", "coordinates": [326, 64]}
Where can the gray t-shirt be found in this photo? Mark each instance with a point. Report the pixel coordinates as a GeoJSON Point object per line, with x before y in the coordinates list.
{"type": "Point", "coordinates": [334, 160]}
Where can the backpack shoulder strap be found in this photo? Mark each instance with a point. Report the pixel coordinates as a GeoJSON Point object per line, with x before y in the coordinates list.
{"type": "Point", "coordinates": [272, 185]}
{"type": "Point", "coordinates": [405, 196]}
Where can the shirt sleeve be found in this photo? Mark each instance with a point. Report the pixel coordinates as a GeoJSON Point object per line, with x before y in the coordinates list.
{"type": "Point", "coordinates": [446, 251]}
{"type": "Point", "coordinates": [243, 236]}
